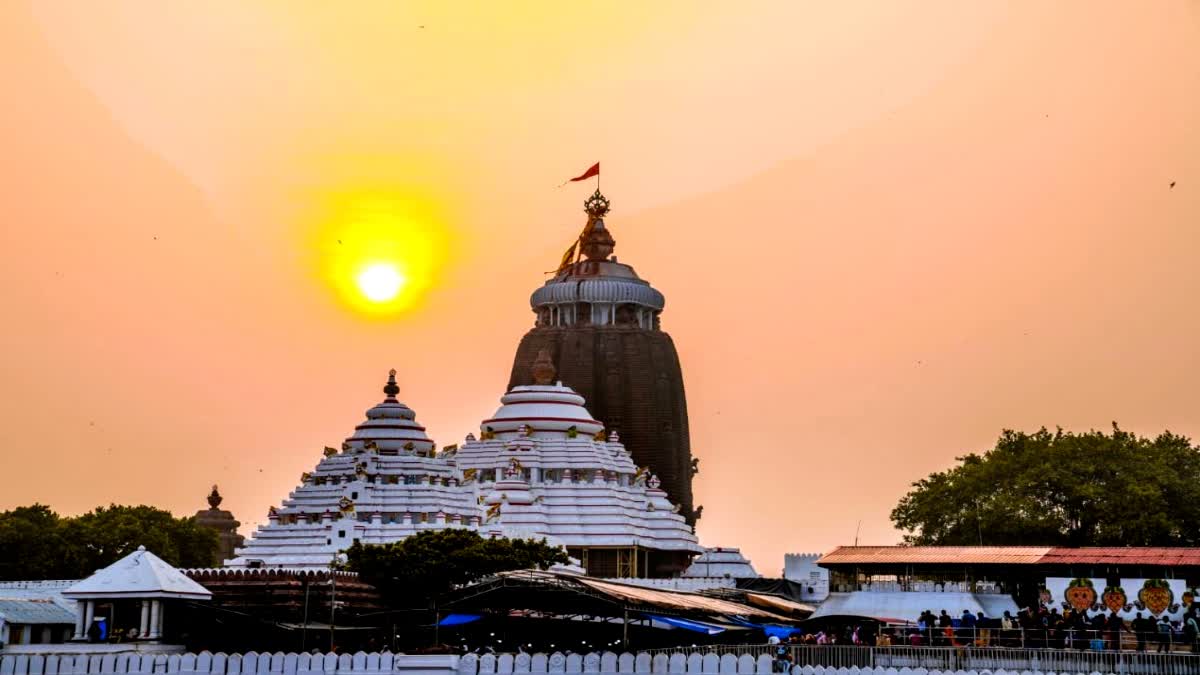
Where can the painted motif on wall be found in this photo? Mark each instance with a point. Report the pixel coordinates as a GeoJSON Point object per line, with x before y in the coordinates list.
{"type": "Point", "coordinates": [1156, 595]}
{"type": "Point", "coordinates": [1135, 600]}
{"type": "Point", "coordinates": [1114, 599]}
{"type": "Point", "coordinates": [1080, 594]}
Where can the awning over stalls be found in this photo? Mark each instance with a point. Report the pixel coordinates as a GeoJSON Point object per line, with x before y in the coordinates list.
{"type": "Point", "coordinates": [906, 606]}
{"type": "Point", "coordinates": [551, 593]}
{"type": "Point", "coordinates": [779, 604]}
{"type": "Point", "coordinates": [785, 588]}
{"type": "Point", "coordinates": [695, 626]}
{"type": "Point", "coordinates": [680, 601]}
{"type": "Point", "coordinates": [459, 619]}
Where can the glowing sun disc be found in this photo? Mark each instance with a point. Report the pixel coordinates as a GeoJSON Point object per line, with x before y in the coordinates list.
{"type": "Point", "coordinates": [380, 282]}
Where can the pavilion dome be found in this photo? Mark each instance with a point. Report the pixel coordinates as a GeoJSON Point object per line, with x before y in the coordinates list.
{"type": "Point", "coordinates": [391, 426]}
{"type": "Point", "coordinates": [140, 574]}
{"type": "Point", "coordinates": [542, 407]}
{"type": "Point", "coordinates": [721, 561]}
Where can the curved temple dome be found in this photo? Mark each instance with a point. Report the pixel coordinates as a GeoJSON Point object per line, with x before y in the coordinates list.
{"type": "Point", "coordinates": [391, 426]}
{"type": "Point", "coordinates": [599, 324]}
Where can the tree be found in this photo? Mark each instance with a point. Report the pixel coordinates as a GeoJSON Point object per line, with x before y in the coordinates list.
{"type": "Point", "coordinates": [35, 543]}
{"type": "Point", "coordinates": [31, 544]}
{"type": "Point", "coordinates": [1060, 488]}
{"type": "Point", "coordinates": [412, 571]}
{"type": "Point", "coordinates": [106, 534]}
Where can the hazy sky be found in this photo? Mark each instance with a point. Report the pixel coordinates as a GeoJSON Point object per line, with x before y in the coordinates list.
{"type": "Point", "coordinates": [885, 231]}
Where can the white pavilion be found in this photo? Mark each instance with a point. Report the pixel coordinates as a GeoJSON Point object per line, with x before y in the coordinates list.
{"type": "Point", "coordinates": [135, 591]}
{"type": "Point", "coordinates": [542, 467]}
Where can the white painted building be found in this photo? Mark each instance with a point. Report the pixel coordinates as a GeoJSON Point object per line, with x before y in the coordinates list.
{"type": "Point", "coordinates": [542, 467]}
{"type": "Point", "coordinates": [802, 568]}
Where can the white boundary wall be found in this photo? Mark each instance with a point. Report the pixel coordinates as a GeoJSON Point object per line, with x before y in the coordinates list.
{"type": "Point", "coordinates": [608, 663]}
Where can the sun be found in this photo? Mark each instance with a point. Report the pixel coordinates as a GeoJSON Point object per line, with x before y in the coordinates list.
{"type": "Point", "coordinates": [380, 282]}
{"type": "Point", "coordinates": [381, 250]}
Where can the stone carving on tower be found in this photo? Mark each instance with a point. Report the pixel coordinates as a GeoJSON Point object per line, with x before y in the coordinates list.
{"type": "Point", "coordinates": [597, 324]}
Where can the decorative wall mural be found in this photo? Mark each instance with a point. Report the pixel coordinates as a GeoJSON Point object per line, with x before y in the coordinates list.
{"type": "Point", "coordinates": [1156, 595]}
{"type": "Point", "coordinates": [1114, 599]}
{"type": "Point", "coordinates": [1080, 595]}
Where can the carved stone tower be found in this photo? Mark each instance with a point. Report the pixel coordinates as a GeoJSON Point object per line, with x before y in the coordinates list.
{"type": "Point", "coordinates": [599, 322]}
{"type": "Point", "coordinates": [225, 525]}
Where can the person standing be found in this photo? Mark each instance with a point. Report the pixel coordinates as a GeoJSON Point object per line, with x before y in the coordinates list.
{"type": "Point", "coordinates": [1115, 625]}
{"type": "Point", "coordinates": [1139, 631]}
{"type": "Point", "coordinates": [1164, 633]}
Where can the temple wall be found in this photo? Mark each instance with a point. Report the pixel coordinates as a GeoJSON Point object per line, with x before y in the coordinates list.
{"type": "Point", "coordinates": [661, 663]}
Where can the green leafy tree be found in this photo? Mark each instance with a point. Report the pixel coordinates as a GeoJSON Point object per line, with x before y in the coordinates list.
{"type": "Point", "coordinates": [106, 534]}
{"type": "Point", "coordinates": [31, 544]}
{"type": "Point", "coordinates": [35, 543]}
{"type": "Point", "coordinates": [412, 571]}
{"type": "Point", "coordinates": [1061, 488]}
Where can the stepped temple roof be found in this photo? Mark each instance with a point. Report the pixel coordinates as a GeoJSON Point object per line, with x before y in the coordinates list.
{"type": "Point", "coordinates": [541, 467]}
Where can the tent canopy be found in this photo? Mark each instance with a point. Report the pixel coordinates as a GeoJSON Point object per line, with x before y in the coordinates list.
{"type": "Point", "coordinates": [906, 606]}
{"type": "Point", "coordinates": [574, 595]}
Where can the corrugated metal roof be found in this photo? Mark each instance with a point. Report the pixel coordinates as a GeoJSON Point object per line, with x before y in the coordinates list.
{"type": "Point", "coordinates": [1013, 555]}
{"type": "Point", "coordinates": [934, 554]}
{"type": "Point", "coordinates": [1116, 555]}
{"type": "Point", "coordinates": [34, 612]}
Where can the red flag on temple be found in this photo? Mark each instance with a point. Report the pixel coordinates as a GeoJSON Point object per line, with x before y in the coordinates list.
{"type": "Point", "coordinates": [593, 171]}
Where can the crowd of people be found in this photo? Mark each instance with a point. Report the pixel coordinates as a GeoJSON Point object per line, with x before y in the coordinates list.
{"type": "Point", "coordinates": [1041, 628]}
{"type": "Point", "coordinates": [1044, 628]}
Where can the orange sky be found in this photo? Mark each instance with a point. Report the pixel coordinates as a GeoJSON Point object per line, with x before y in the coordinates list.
{"type": "Point", "coordinates": [885, 232]}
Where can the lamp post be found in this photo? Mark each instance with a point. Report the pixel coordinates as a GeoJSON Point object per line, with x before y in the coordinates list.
{"type": "Point", "coordinates": [332, 606]}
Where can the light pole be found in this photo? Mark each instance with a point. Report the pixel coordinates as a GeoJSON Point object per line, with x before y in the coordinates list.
{"type": "Point", "coordinates": [332, 606]}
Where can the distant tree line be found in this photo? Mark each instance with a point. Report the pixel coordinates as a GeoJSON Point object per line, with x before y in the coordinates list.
{"type": "Point", "coordinates": [1060, 488]}
{"type": "Point", "coordinates": [37, 543]}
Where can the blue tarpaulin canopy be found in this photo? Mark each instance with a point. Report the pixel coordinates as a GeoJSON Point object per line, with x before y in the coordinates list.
{"type": "Point", "coordinates": [706, 628]}
{"type": "Point", "coordinates": [782, 632]}
{"type": "Point", "coordinates": [459, 619]}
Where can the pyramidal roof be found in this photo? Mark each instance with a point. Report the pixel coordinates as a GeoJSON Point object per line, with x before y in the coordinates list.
{"type": "Point", "coordinates": [140, 574]}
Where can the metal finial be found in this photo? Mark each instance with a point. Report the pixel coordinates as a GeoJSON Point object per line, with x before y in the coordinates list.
{"type": "Point", "coordinates": [214, 498]}
{"type": "Point", "coordinates": [392, 388]}
{"type": "Point", "coordinates": [597, 205]}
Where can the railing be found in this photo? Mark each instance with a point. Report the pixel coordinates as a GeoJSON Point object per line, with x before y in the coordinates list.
{"type": "Point", "coordinates": [715, 660]}
{"type": "Point", "coordinates": [957, 658]}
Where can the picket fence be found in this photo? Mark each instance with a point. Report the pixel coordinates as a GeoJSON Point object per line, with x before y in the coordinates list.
{"type": "Point", "coordinates": [608, 663]}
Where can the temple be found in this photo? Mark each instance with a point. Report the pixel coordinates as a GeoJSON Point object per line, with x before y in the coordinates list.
{"type": "Point", "coordinates": [541, 467]}
{"type": "Point", "coordinates": [600, 324]}
{"type": "Point", "coordinates": [223, 523]}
